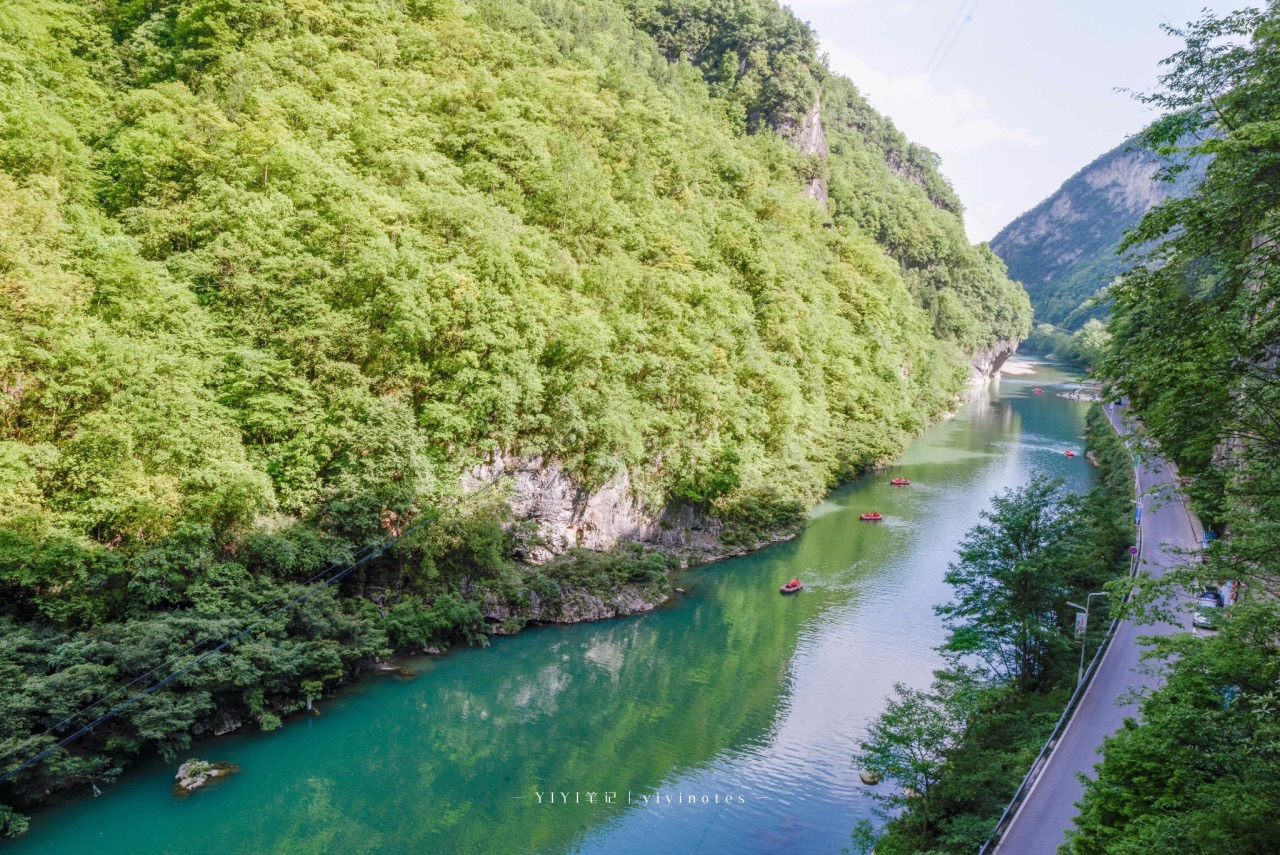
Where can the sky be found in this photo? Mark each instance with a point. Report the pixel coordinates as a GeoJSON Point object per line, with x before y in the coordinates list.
{"type": "Point", "coordinates": [1021, 97]}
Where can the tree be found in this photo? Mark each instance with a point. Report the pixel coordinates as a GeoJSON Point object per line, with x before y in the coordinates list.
{"type": "Point", "coordinates": [1197, 345]}
{"type": "Point", "coordinates": [1198, 774]}
{"type": "Point", "coordinates": [1010, 584]}
{"type": "Point", "coordinates": [1196, 324]}
{"type": "Point", "coordinates": [908, 744]}
{"type": "Point", "coordinates": [1091, 342]}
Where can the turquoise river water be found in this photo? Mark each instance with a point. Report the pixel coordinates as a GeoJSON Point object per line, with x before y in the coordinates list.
{"type": "Point", "coordinates": [722, 723]}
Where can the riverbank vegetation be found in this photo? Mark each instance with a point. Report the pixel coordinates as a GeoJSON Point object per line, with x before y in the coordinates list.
{"type": "Point", "coordinates": [1197, 341]}
{"type": "Point", "coordinates": [955, 753]}
{"type": "Point", "coordinates": [1086, 348]}
{"type": "Point", "coordinates": [277, 275]}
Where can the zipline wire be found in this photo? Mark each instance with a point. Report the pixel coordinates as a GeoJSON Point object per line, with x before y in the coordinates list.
{"type": "Point", "coordinates": [936, 62]}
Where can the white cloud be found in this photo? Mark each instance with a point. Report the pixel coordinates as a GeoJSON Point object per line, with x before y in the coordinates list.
{"type": "Point", "coordinates": [984, 220]}
{"type": "Point", "coordinates": [952, 121]}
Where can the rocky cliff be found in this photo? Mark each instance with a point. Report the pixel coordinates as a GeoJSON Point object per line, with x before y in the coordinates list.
{"type": "Point", "coordinates": [567, 515]}
{"type": "Point", "coordinates": [989, 360]}
{"type": "Point", "coordinates": [809, 136]}
{"type": "Point", "coordinates": [1065, 249]}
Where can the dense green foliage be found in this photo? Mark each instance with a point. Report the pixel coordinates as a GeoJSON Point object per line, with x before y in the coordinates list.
{"type": "Point", "coordinates": [1198, 774]}
{"type": "Point", "coordinates": [1085, 348]}
{"type": "Point", "coordinates": [276, 274]}
{"type": "Point", "coordinates": [1066, 250]}
{"type": "Point", "coordinates": [332, 283]}
{"type": "Point", "coordinates": [760, 60]}
{"type": "Point", "coordinates": [887, 188]}
{"type": "Point", "coordinates": [1011, 585]}
{"type": "Point", "coordinates": [1196, 337]}
{"type": "Point", "coordinates": [964, 746]}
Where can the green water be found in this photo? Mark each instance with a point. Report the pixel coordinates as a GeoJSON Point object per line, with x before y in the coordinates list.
{"type": "Point", "coordinates": [734, 693]}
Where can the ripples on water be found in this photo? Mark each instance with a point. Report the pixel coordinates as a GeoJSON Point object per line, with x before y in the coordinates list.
{"type": "Point", "coordinates": [733, 690]}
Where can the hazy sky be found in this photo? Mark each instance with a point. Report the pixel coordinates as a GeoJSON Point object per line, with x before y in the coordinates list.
{"type": "Point", "coordinates": [1024, 97]}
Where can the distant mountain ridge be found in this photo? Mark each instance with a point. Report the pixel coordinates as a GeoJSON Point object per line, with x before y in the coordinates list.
{"type": "Point", "coordinates": [1064, 249]}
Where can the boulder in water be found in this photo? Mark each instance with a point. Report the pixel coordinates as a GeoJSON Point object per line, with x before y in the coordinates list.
{"type": "Point", "coordinates": [194, 774]}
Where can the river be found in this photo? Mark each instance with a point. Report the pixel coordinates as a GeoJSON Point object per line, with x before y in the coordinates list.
{"type": "Point", "coordinates": [747, 701]}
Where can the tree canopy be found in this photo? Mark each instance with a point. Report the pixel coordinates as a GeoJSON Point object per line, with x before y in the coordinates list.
{"type": "Point", "coordinates": [1195, 346]}
{"type": "Point", "coordinates": [276, 274]}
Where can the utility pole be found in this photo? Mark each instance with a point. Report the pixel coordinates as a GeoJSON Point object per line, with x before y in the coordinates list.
{"type": "Point", "coordinates": [1084, 635]}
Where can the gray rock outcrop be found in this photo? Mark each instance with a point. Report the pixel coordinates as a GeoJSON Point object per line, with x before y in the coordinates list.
{"type": "Point", "coordinates": [988, 361]}
{"type": "Point", "coordinates": [567, 515]}
{"type": "Point", "coordinates": [809, 137]}
{"type": "Point", "coordinates": [194, 774]}
{"type": "Point", "coordinates": [574, 606]}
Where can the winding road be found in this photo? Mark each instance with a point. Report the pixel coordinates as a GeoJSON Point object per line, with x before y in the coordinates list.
{"type": "Point", "coordinates": [1041, 822]}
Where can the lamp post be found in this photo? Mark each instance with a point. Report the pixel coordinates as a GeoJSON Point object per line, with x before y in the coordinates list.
{"type": "Point", "coordinates": [1084, 636]}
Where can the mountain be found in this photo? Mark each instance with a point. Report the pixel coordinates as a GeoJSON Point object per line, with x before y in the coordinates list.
{"type": "Point", "coordinates": [1065, 249]}
{"type": "Point", "coordinates": [281, 278]}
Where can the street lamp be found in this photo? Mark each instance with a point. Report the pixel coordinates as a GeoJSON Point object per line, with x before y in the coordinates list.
{"type": "Point", "coordinates": [1084, 635]}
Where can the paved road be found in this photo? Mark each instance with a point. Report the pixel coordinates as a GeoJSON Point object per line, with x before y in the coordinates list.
{"type": "Point", "coordinates": [1041, 823]}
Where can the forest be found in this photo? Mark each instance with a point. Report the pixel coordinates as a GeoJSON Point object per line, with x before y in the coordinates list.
{"type": "Point", "coordinates": [277, 275]}
{"type": "Point", "coordinates": [1196, 334]}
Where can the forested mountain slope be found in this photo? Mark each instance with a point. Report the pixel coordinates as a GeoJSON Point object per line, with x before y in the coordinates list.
{"type": "Point", "coordinates": [277, 276]}
{"type": "Point", "coordinates": [1064, 250]}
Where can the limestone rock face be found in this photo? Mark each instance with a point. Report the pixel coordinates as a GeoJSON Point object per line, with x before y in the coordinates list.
{"type": "Point", "coordinates": [988, 361]}
{"type": "Point", "coordinates": [568, 516]}
{"type": "Point", "coordinates": [1065, 249]}
{"type": "Point", "coordinates": [574, 606]}
{"type": "Point", "coordinates": [809, 136]}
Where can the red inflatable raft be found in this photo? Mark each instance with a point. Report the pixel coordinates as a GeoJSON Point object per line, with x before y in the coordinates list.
{"type": "Point", "coordinates": [870, 516]}
{"type": "Point", "coordinates": [900, 482]}
{"type": "Point", "coordinates": [792, 586]}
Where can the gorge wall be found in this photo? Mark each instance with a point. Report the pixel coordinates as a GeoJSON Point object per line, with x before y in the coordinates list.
{"type": "Point", "coordinates": [1064, 250]}
{"type": "Point", "coordinates": [261, 316]}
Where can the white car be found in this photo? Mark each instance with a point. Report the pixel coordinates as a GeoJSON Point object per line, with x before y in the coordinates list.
{"type": "Point", "coordinates": [1207, 609]}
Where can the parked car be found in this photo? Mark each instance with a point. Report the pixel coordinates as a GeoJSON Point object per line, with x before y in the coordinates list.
{"type": "Point", "coordinates": [1213, 592]}
{"type": "Point", "coordinates": [1208, 608]}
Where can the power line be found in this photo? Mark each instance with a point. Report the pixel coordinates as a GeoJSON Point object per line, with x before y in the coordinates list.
{"type": "Point", "coordinates": [945, 34]}
{"type": "Point", "coordinates": [955, 37]}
